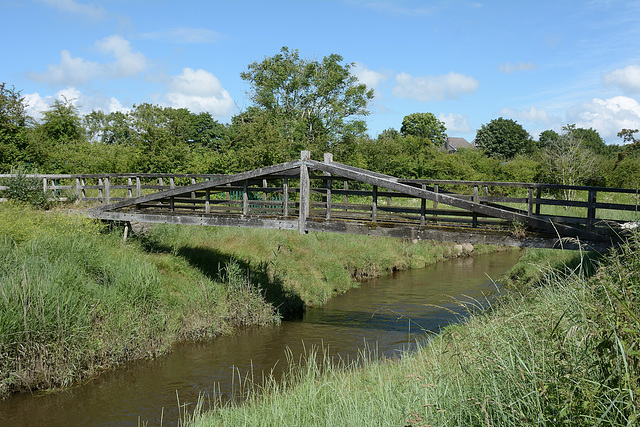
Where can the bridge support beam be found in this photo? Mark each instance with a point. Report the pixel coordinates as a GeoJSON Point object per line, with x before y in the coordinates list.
{"type": "Point", "coordinates": [305, 191]}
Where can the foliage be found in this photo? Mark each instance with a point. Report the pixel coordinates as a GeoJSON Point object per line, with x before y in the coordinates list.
{"type": "Point", "coordinates": [569, 162]}
{"type": "Point", "coordinates": [503, 138]}
{"type": "Point", "coordinates": [426, 126]}
{"type": "Point", "coordinates": [76, 300]}
{"type": "Point", "coordinates": [14, 126]}
{"type": "Point", "coordinates": [309, 101]}
{"type": "Point", "coordinates": [25, 188]}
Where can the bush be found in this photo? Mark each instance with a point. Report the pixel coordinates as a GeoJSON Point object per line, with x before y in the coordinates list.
{"type": "Point", "coordinates": [25, 188]}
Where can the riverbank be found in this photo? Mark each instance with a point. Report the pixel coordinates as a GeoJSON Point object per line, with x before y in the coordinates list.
{"type": "Point", "coordinates": [77, 300]}
{"type": "Point", "coordinates": [561, 348]}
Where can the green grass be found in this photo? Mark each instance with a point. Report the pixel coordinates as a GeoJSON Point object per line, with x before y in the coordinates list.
{"type": "Point", "coordinates": [298, 269]}
{"type": "Point", "coordinates": [75, 300]}
{"type": "Point", "coordinates": [562, 350]}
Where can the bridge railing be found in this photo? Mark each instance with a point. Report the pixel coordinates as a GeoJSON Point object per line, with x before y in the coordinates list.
{"type": "Point", "coordinates": [337, 197]}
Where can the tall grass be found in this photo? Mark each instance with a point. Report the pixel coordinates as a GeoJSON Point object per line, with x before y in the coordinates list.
{"type": "Point", "coordinates": [561, 352]}
{"type": "Point", "coordinates": [298, 269]}
{"type": "Point", "coordinates": [75, 300]}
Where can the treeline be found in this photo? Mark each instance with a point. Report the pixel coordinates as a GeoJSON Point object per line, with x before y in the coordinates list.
{"type": "Point", "coordinates": [300, 104]}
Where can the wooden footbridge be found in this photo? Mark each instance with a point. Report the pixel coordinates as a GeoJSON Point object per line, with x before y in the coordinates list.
{"type": "Point", "coordinates": [308, 195]}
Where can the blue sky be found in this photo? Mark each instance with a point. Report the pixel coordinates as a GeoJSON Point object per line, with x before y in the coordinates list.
{"type": "Point", "coordinates": [543, 63]}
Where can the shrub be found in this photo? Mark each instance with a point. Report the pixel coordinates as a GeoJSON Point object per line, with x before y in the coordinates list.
{"type": "Point", "coordinates": [25, 188]}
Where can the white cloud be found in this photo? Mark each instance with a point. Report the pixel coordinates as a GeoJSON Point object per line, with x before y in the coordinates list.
{"type": "Point", "coordinates": [532, 114]}
{"type": "Point", "coordinates": [71, 6]}
{"type": "Point", "coordinates": [184, 35]}
{"type": "Point", "coordinates": [77, 71]}
{"type": "Point", "coordinates": [627, 78]}
{"type": "Point", "coordinates": [127, 62]}
{"type": "Point", "coordinates": [509, 68]}
{"type": "Point", "coordinates": [37, 104]}
{"type": "Point", "coordinates": [198, 91]}
{"type": "Point", "coordinates": [434, 88]}
{"type": "Point", "coordinates": [456, 123]}
{"type": "Point", "coordinates": [607, 116]}
{"type": "Point", "coordinates": [369, 77]}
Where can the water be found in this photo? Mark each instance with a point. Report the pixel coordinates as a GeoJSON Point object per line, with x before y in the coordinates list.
{"type": "Point", "coordinates": [389, 314]}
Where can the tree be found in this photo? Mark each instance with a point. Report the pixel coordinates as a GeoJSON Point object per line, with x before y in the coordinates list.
{"type": "Point", "coordinates": [308, 100]}
{"type": "Point", "coordinates": [590, 138]}
{"type": "Point", "coordinates": [503, 138]}
{"type": "Point", "coordinates": [62, 122]}
{"type": "Point", "coordinates": [424, 125]}
{"type": "Point", "coordinates": [14, 126]}
{"type": "Point", "coordinates": [569, 162]}
{"type": "Point", "coordinates": [548, 138]}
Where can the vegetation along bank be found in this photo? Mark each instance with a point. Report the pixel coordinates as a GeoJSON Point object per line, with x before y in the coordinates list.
{"type": "Point", "coordinates": [560, 348]}
{"type": "Point", "coordinates": [76, 300]}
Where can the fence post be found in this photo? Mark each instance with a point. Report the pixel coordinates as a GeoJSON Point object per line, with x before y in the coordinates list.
{"type": "Point", "coordinates": [423, 206]}
{"type": "Point", "coordinates": [285, 197]}
{"type": "Point", "coordinates": [474, 223]}
{"type": "Point", "coordinates": [374, 204]}
{"type": "Point", "coordinates": [530, 201]}
{"type": "Point", "coordinates": [107, 190]}
{"type": "Point", "coordinates": [129, 185]}
{"type": "Point", "coordinates": [328, 158]}
{"type": "Point", "coordinates": [303, 208]}
{"type": "Point", "coordinates": [245, 198]}
{"type": "Point", "coordinates": [207, 199]}
{"type": "Point", "coordinates": [78, 190]}
{"type": "Point", "coordinates": [172, 184]}
{"type": "Point", "coordinates": [538, 196]}
{"type": "Point", "coordinates": [591, 210]}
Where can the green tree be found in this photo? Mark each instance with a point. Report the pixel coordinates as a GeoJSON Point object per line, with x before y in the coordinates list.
{"type": "Point", "coordinates": [548, 138]}
{"type": "Point", "coordinates": [14, 127]}
{"type": "Point", "coordinates": [62, 122]}
{"type": "Point", "coordinates": [590, 138]}
{"type": "Point", "coordinates": [503, 138]}
{"type": "Point", "coordinates": [426, 126]}
{"type": "Point", "coordinates": [315, 102]}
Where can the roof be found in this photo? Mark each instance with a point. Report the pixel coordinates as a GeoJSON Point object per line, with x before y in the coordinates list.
{"type": "Point", "coordinates": [453, 144]}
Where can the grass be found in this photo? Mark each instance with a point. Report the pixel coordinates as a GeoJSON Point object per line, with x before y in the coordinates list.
{"type": "Point", "coordinates": [560, 350]}
{"type": "Point", "coordinates": [76, 300]}
{"type": "Point", "coordinates": [298, 270]}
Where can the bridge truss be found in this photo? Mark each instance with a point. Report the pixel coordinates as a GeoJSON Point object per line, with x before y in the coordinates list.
{"type": "Point", "coordinates": [312, 196]}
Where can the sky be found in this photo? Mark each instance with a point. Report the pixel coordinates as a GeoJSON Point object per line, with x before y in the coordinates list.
{"type": "Point", "coordinates": [542, 63]}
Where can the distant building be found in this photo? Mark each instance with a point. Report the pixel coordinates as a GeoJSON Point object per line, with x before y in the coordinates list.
{"type": "Point", "coordinates": [453, 144]}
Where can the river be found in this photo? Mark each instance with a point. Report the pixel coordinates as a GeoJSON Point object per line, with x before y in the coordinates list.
{"type": "Point", "coordinates": [389, 314]}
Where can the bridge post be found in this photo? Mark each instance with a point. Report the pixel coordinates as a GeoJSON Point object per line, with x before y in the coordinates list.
{"type": "Point", "coordinates": [78, 191]}
{"type": "Point", "coordinates": [423, 206]}
{"type": "Point", "coordinates": [474, 221]}
{"type": "Point", "coordinates": [530, 202]}
{"type": "Point", "coordinates": [285, 197]}
{"type": "Point", "coordinates": [107, 190]}
{"type": "Point", "coordinates": [303, 208]}
{"type": "Point", "coordinates": [591, 209]}
{"type": "Point", "coordinates": [328, 158]}
{"type": "Point", "coordinates": [374, 204]}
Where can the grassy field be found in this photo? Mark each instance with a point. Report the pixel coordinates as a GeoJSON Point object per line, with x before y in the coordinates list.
{"type": "Point", "coordinates": [561, 348]}
{"type": "Point", "coordinates": [75, 299]}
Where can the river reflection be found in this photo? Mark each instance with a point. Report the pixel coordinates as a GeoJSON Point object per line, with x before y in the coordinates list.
{"type": "Point", "coordinates": [389, 313]}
